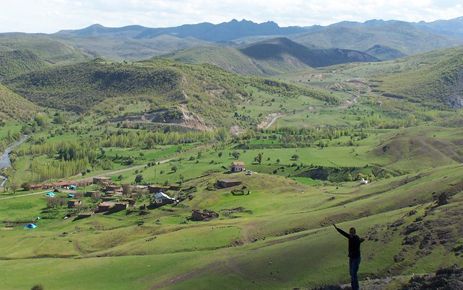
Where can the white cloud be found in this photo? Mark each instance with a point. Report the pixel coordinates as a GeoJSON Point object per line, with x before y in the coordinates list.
{"type": "Point", "coordinates": [53, 15]}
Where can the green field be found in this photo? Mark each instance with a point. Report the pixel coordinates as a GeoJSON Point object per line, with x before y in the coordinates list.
{"type": "Point", "coordinates": [307, 139]}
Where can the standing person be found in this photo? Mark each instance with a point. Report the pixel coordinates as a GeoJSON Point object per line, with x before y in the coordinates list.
{"type": "Point", "coordinates": [354, 255]}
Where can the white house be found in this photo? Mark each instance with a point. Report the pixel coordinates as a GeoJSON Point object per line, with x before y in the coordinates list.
{"type": "Point", "coordinates": [363, 181]}
{"type": "Point", "coordinates": [162, 198]}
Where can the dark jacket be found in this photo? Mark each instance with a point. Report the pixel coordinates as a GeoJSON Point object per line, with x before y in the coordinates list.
{"type": "Point", "coordinates": [354, 244]}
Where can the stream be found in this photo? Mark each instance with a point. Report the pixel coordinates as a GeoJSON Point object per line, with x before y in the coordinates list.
{"type": "Point", "coordinates": [5, 161]}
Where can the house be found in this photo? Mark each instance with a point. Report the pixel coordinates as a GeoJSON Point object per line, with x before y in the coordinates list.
{"type": "Point", "coordinates": [237, 166]}
{"type": "Point", "coordinates": [102, 180]}
{"type": "Point", "coordinates": [111, 206]}
{"type": "Point", "coordinates": [157, 188]}
{"type": "Point", "coordinates": [92, 194]}
{"type": "Point", "coordinates": [108, 198]}
{"type": "Point", "coordinates": [174, 187]}
{"type": "Point", "coordinates": [83, 182]}
{"type": "Point", "coordinates": [105, 206]}
{"type": "Point", "coordinates": [205, 215]}
{"type": "Point", "coordinates": [130, 201]}
{"type": "Point", "coordinates": [74, 203]}
{"type": "Point", "coordinates": [225, 183]}
{"type": "Point", "coordinates": [118, 206]}
{"type": "Point", "coordinates": [36, 186]}
{"type": "Point", "coordinates": [160, 198]}
{"type": "Point", "coordinates": [139, 189]}
{"type": "Point", "coordinates": [113, 189]}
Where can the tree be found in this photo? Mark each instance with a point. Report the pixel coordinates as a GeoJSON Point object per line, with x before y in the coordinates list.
{"type": "Point", "coordinates": [26, 186]}
{"type": "Point", "coordinates": [174, 168]}
{"type": "Point", "coordinates": [258, 158]}
{"type": "Point", "coordinates": [236, 154]}
{"type": "Point", "coordinates": [126, 190]}
{"type": "Point", "coordinates": [295, 157]}
{"type": "Point", "coordinates": [349, 177]}
{"type": "Point", "coordinates": [138, 178]}
{"type": "Point", "coordinates": [37, 287]}
{"type": "Point", "coordinates": [13, 186]}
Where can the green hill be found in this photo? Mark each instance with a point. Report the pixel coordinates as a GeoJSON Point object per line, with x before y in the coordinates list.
{"type": "Point", "coordinates": [402, 36]}
{"type": "Point", "coordinates": [285, 50]}
{"type": "Point", "coordinates": [16, 62]}
{"type": "Point", "coordinates": [123, 48]}
{"type": "Point", "coordinates": [269, 57]}
{"type": "Point", "coordinates": [383, 52]}
{"type": "Point", "coordinates": [43, 46]}
{"type": "Point", "coordinates": [434, 78]}
{"type": "Point", "coordinates": [15, 107]}
{"type": "Point", "coordinates": [207, 91]}
{"type": "Point", "coordinates": [232, 59]}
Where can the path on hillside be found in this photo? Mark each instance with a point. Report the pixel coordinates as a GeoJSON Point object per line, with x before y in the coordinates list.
{"type": "Point", "coordinates": [271, 118]}
{"type": "Point", "coordinates": [109, 173]}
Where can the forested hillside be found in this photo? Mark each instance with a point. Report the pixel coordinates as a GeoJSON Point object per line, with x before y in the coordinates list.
{"type": "Point", "coordinates": [16, 62]}
{"type": "Point", "coordinates": [209, 92]}
{"type": "Point", "coordinates": [15, 107]}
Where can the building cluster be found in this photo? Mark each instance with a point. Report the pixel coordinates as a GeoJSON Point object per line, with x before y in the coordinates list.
{"type": "Point", "coordinates": [111, 197]}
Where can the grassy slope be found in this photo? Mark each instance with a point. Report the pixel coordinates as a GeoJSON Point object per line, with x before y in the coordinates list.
{"type": "Point", "coordinates": [120, 48]}
{"type": "Point", "coordinates": [281, 240]}
{"type": "Point", "coordinates": [45, 47]}
{"type": "Point", "coordinates": [200, 255]}
{"type": "Point", "coordinates": [397, 35]}
{"type": "Point", "coordinates": [384, 53]}
{"type": "Point", "coordinates": [432, 77]}
{"type": "Point", "coordinates": [15, 107]}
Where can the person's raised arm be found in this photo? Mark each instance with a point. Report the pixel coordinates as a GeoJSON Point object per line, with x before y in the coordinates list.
{"type": "Point", "coordinates": [341, 231]}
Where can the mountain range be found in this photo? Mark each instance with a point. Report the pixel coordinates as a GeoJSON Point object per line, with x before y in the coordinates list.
{"type": "Point", "coordinates": [405, 37]}
{"type": "Point", "coordinates": [269, 57]}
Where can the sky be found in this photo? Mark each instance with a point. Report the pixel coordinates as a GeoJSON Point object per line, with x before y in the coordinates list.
{"type": "Point", "coordinates": [53, 15]}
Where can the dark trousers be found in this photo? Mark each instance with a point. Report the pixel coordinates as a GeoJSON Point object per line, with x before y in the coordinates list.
{"type": "Point", "coordinates": [354, 264]}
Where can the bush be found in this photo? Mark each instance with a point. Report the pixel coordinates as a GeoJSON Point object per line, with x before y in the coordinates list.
{"type": "Point", "coordinates": [138, 178]}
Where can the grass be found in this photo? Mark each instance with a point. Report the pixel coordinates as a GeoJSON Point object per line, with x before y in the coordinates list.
{"type": "Point", "coordinates": [278, 236]}
{"type": "Point", "coordinates": [281, 232]}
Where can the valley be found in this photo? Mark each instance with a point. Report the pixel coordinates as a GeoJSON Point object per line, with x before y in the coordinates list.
{"type": "Point", "coordinates": [221, 162]}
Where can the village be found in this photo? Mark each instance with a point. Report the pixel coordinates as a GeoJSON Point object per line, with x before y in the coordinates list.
{"type": "Point", "coordinates": [101, 195]}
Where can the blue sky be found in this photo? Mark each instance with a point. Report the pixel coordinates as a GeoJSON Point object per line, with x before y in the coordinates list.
{"type": "Point", "coordinates": [53, 15]}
